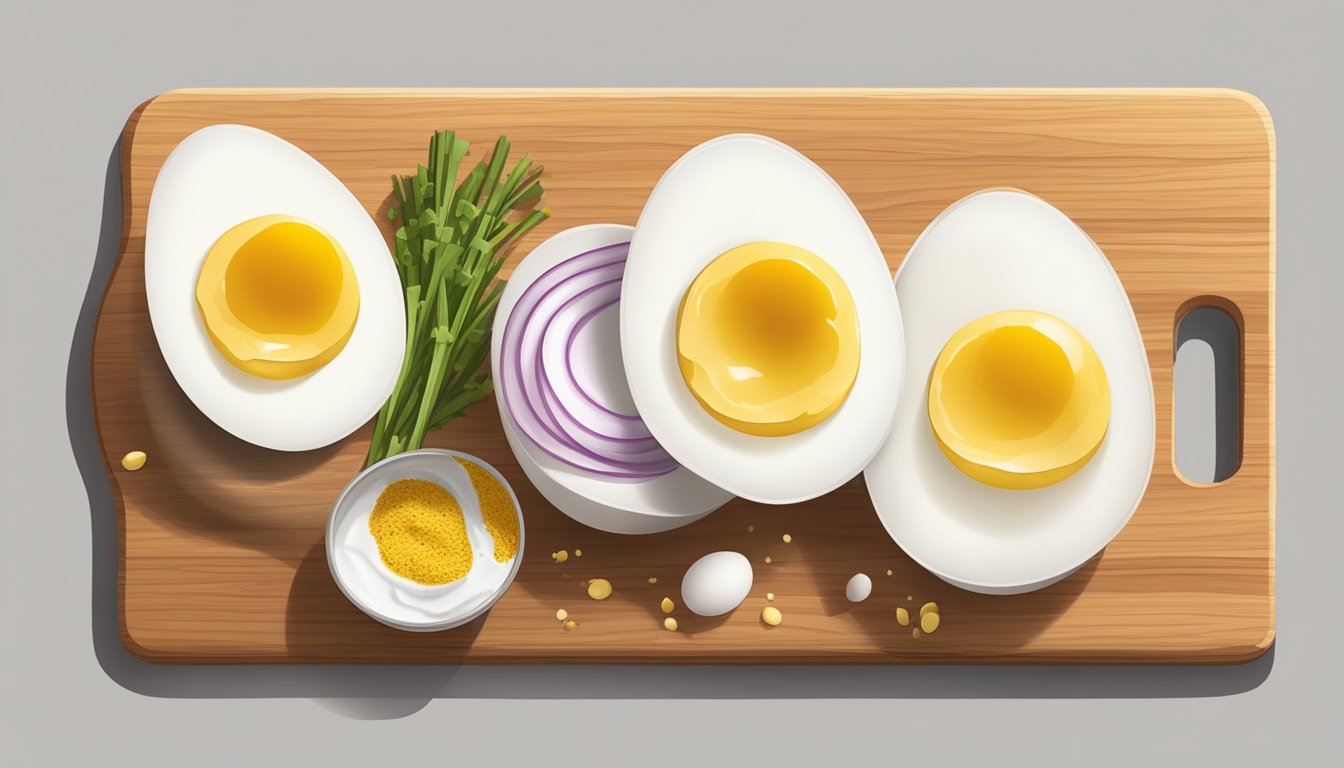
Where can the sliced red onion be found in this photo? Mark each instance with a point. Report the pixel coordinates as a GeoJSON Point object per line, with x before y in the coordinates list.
{"type": "Point", "coordinates": [538, 384]}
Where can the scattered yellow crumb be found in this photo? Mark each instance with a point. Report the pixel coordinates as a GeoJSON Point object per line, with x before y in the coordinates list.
{"type": "Point", "coordinates": [670, 624]}
{"type": "Point", "coordinates": [420, 532]}
{"type": "Point", "coordinates": [560, 556]}
{"type": "Point", "coordinates": [787, 538]}
{"type": "Point", "coordinates": [497, 510]}
{"type": "Point", "coordinates": [667, 605]}
{"type": "Point", "coordinates": [770, 596]}
{"type": "Point", "coordinates": [908, 598]}
{"type": "Point", "coordinates": [653, 579]}
{"type": "Point", "coordinates": [771, 615]}
{"type": "Point", "coordinates": [561, 615]}
{"type": "Point", "coordinates": [928, 608]}
{"type": "Point", "coordinates": [578, 553]}
{"type": "Point", "coordinates": [599, 589]}
{"type": "Point", "coordinates": [767, 559]}
{"type": "Point", "coordinates": [888, 571]}
{"type": "Point", "coordinates": [751, 529]}
{"type": "Point", "coordinates": [133, 460]}
{"type": "Point", "coordinates": [572, 625]}
{"type": "Point", "coordinates": [902, 617]}
{"type": "Point", "coordinates": [929, 623]}
{"type": "Point", "coordinates": [915, 632]}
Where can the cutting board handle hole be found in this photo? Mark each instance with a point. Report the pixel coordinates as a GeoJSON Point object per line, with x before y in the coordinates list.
{"type": "Point", "coordinates": [1207, 401]}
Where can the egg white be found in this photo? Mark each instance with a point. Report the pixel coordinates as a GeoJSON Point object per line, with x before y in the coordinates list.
{"type": "Point", "coordinates": [214, 179]}
{"type": "Point", "coordinates": [617, 506]}
{"type": "Point", "coordinates": [1000, 250]}
{"type": "Point", "coordinates": [726, 192]}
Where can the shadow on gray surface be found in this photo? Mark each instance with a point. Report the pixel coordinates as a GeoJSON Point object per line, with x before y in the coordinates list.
{"type": "Point", "coordinates": [385, 692]}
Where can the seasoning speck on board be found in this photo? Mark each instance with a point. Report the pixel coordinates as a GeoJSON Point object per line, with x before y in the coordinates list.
{"type": "Point", "coordinates": [599, 589]}
{"type": "Point", "coordinates": [133, 461]}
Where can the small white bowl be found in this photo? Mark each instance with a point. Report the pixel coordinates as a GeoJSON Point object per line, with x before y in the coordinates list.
{"type": "Point", "coordinates": [352, 553]}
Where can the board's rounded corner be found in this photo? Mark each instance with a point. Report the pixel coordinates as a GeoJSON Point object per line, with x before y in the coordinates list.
{"type": "Point", "coordinates": [153, 102]}
{"type": "Point", "coordinates": [1257, 106]}
{"type": "Point", "coordinates": [136, 647]}
{"type": "Point", "coordinates": [1265, 642]}
{"type": "Point", "coordinates": [1255, 649]}
{"type": "Point", "coordinates": [128, 129]}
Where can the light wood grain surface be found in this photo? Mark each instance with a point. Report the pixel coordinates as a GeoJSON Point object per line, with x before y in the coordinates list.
{"type": "Point", "coordinates": [221, 542]}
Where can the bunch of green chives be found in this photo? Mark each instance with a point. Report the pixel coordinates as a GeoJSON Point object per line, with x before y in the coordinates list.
{"type": "Point", "coordinates": [449, 248]}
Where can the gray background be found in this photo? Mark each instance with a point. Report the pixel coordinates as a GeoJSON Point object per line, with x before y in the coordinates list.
{"type": "Point", "coordinates": [69, 694]}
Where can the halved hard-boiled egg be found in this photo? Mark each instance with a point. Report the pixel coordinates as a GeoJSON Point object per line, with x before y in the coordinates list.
{"type": "Point", "coordinates": [278, 296]}
{"type": "Point", "coordinates": [1025, 440]}
{"type": "Point", "coordinates": [272, 293]}
{"type": "Point", "coordinates": [761, 335]}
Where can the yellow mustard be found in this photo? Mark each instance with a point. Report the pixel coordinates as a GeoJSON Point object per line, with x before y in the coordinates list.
{"type": "Point", "coordinates": [497, 510]}
{"type": "Point", "coordinates": [421, 533]}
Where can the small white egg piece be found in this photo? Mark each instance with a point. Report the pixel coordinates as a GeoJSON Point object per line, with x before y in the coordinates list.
{"type": "Point", "coordinates": [716, 583]}
{"type": "Point", "coordinates": [859, 588]}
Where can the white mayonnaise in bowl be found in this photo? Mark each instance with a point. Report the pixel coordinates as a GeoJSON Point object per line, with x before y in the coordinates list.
{"type": "Point", "coordinates": [360, 572]}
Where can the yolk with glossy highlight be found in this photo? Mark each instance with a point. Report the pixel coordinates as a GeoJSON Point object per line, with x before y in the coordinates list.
{"type": "Point", "coordinates": [278, 297]}
{"type": "Point", "coordinates": [1019, 400]}
{"type": "Point", "coordinates": [768, 339]}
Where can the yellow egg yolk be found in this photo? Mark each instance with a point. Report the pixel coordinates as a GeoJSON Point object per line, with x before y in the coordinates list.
{"type": "Point", "coordinates": [768, 339]}
{"type": "Point", "coordinates": [278, 297]}
{"type": "Point", "coordinates": [1019, 400]}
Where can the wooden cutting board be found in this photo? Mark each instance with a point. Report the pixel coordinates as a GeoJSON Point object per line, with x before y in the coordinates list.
{"type": "Point", "coordinates": [221, 542]}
